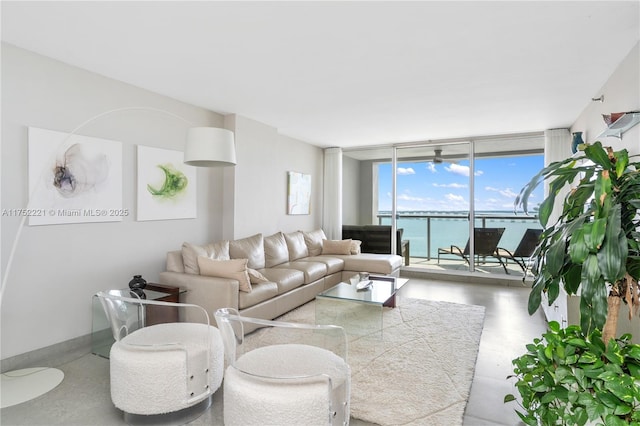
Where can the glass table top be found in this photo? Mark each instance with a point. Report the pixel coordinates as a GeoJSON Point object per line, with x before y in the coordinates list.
{"type": "Point", "coordinates": [379, 292]}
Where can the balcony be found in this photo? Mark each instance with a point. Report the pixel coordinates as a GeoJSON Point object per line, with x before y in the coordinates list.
{"type": "Point", "coordinates": [429, 231]}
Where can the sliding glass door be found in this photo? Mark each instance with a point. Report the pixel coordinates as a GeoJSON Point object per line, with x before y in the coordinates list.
{"type": "Point", "coordinates": [442, 196]}
{"type": "Point", "coordinates": [501, 170]}
{"type": "Point", "coordinates": [433, 203]}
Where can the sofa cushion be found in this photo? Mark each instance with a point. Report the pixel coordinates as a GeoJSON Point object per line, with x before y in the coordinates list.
{"type": "Point", "coordinates": [313, 240]}
{"type": "Point", "coordinates": [275, 250]}
{"type": "Point", "coordinates": [333, 264]}
{"type": "Point", "coordinates": [313, 271]}
{"type": "Point", "coordinates": [175, 262]}
{"type": "Point", "coordinates": [355, 246]}
{"type": "Point", "coordinates": [336, 246]}
{"type": "Point", "coordinates": [190, 253]}
{"type": "Point", "coordinates": [234, 268]}
{"type": "Point", "coordinates": [250, 248]}
{"type": "Point", "coordinates": [287, 279]}
{"type": "Point", "coordinates": [371, 262]}
{"type": "Point", "coordinates": [256, 277]}
{"type": "Point", "coordinates": [259, 293]}
{"type": "Point", "coordinates": [296, 245]}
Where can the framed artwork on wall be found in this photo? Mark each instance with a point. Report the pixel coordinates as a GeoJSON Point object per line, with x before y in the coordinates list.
{"type": "Point", "coordinates": [166, 186]}
{"type": "Point", "coordinates": [298, 193]}
{"type": "Point", "coordinates": [73, 179]}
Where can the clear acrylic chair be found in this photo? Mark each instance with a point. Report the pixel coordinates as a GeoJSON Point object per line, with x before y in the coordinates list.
{"type": "Point", "coordinates": [284, 373]}
{"type": "Point", "coordinates": [167, 360]}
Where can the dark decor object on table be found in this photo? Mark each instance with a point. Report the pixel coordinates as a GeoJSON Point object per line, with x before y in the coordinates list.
{"type": "Point", "coordinates": [137, 285]}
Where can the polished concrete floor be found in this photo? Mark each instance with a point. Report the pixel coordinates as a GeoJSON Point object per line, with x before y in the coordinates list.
{"type": "Point", "coordinates": [83, 397]}
{"type": "Point", "coordinates": [450, 265]}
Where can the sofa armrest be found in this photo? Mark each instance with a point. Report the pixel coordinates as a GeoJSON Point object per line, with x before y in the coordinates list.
{"type": "Point", "coordinates": [212, 293]}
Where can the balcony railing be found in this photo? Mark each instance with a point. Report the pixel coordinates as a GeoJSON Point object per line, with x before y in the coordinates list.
{"type": "Point", "coordinates": [428, 231]}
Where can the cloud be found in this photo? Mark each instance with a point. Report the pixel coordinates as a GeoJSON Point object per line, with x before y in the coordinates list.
{"type": "Point", "coordinates": [450, 185]}
{"type": "Point", "coordinates": [461, 170]}
{"type": "Point", "coordinates": [507, 192]}
{"type": "Point", "coordinates": [458, 169]}
{"type": "Point", "coordinates": [406, 171]}
{"type": "Point", "coordinates": [454, 197]}
{"type": "Point", "coordinates": [406, 197]}
{"type": "Point", "coordinates": [432, 168]}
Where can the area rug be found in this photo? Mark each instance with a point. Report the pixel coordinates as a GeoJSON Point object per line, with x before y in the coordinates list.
{"type": "Point", "coordinates": [419, 370]}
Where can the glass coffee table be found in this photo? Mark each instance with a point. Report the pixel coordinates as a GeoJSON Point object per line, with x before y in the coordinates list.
{"type": "Point", "coordinates": [359, 312]}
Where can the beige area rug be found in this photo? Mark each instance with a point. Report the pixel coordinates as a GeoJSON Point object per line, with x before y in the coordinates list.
{"type": "Point", "coordinates": [419, 371]}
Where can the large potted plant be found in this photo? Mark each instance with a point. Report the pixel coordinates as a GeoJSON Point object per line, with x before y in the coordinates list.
{"type": "Point", "coordinates": [592, 249]}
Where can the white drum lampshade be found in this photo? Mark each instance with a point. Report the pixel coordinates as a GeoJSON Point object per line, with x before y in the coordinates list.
{"type": "Point", "coordinates": [210, 147]}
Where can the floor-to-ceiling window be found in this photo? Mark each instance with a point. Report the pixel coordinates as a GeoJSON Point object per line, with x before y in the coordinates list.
{"type": "Point", "coordinates": [433, 202]}
{"type": "Point", "coordinates": [439, 188]}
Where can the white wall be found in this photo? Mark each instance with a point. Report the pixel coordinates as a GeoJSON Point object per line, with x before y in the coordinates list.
{"type": "Point", "coordinates": [58, 268]}
{"type": "Point", "coordinates": [621, 93]}
{"type": "Point", "coordinates": [264, 158]}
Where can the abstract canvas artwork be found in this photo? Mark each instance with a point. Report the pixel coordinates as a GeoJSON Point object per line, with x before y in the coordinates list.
{"type": "Point", "coordinates": [166, 186]}
{"type": "Point", "coordinates": [73, 179]}
{"type": "Point", "coordinates": [299, 193]}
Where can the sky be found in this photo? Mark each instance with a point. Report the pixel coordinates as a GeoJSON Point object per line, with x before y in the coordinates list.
{"type": "Point", "coordinates": [425, 186]}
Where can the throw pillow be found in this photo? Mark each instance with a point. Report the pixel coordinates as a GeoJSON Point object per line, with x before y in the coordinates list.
{"type": "Point", "coordinates": [275, 250]}
{"type": "Point", "coordinates": [251, 248]}
{"type": "Point", "coordinates": [313, 240]}
{"type": "Point", "coordinates": [256, 277]}
{"type": "Point", "coordinates": [190, 253]}
{"type": "Point", "coordinates": [355, 246]}
{"type": "Point", "coordinates": [235, 269]}
{"type": "Point", "coordinates": [296, 245]}
{"type": "Point", "coordinates": [336, 246]}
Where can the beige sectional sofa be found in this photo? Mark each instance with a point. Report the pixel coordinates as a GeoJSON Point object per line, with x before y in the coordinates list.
{"type": "Point", "coordinates": [264, 277]}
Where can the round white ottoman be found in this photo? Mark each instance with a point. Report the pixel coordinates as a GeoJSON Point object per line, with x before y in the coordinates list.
{"type": "Point", "coordinates": [164, 368]}
{"type": "Point", "coordinates": [288, 384]}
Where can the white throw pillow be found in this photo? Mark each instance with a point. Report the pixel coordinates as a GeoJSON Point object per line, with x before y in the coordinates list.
{"type": "Point", "coordinates": [235, 269]}
{"type": "Point", "coordinates": [256, 277]}
{"type": "Point", "coordinates": [336, 246]}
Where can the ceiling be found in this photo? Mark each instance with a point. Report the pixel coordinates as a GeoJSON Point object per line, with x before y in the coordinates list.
{"type": "Point", "coordinates": [349, 73]}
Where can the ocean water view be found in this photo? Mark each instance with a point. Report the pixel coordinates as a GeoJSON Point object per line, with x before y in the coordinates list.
{"type": "Point", "coordinates": [452, 228]}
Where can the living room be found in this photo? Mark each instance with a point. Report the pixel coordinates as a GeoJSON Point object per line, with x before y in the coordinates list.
{"type": "Point", "coordinates": [46, 309]}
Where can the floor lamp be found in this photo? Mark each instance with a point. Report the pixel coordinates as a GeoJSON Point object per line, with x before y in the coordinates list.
{"type": "Point", "coordinates": [204, 147]}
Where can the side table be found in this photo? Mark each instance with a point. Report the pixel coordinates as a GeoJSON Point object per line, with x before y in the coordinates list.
{"type": "Point", "coordinates": [101, 335]}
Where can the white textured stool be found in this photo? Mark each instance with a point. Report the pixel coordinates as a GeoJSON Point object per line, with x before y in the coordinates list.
{"type": "Point", "coordinates": [290, 384]}
{"type": "Point", "coordinates": [164, 369]}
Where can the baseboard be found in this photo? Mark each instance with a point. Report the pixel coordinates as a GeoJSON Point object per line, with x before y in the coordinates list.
{"type": "Point", "coordinates": [50, 356]}
{"type": "Point", "coordinates": [466, 277]}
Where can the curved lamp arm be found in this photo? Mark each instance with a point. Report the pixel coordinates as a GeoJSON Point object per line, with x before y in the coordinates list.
{"type": "Point", "coordinates": [199, 142]}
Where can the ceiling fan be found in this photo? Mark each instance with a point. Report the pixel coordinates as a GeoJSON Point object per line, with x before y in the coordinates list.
{"type": "Point", "coordinates": [439, 159]}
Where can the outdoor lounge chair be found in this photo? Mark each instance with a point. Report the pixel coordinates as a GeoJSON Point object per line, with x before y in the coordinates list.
{"type": "Point", "coordinates": [524, 251]}
{"type": "Point", "coordinates": [485, 244]}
